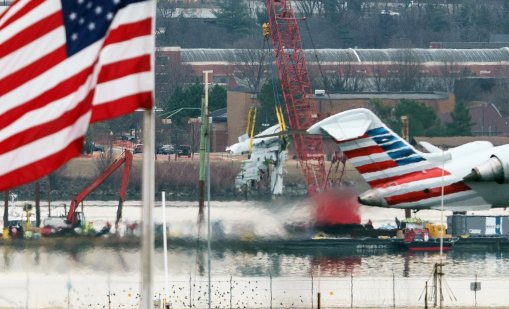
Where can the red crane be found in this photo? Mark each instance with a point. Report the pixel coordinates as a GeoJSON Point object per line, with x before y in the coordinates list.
{"type": "Point", "coordinates": [293, 73]}
{"type": "Point", "coordinates": [127, 159]}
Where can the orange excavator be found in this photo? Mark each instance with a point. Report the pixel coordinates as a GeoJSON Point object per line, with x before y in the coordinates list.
{"type": "Point", "coordinates": [76, 219]}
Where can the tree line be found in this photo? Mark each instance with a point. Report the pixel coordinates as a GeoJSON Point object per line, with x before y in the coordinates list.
{"type": "Point", "coordinates": [337, 23]}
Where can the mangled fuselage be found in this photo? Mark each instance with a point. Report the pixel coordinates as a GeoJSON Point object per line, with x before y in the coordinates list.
{"type": "Point", "coordinates": [267, 157]}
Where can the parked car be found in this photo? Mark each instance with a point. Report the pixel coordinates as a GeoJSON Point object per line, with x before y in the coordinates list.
{"type": "Point", "coordinates": [99, 148]}
{"type": "Point", "coordinates": [138, 148]}
{"type": "Point", "coordinates": [184, 150]}
{"type": "Point", "coordinates": [165, 149]}
{"type": "Point", "coordinates": [89, 147]}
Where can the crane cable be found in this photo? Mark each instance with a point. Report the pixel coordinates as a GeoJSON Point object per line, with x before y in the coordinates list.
{"type": "Point", "coordinates": [326, 83]}
{"type": "Point", "coordinates": [251, 121]}
{"type": "Point", "coordinates": [277, 104]}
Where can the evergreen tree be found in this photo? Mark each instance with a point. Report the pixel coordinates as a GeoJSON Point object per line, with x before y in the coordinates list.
{"type": "Point", "coordinates": [422, 119]}
{"type": "Point", "coordinates": [383, 112]}
{"type": "Point", "coordinates": [234, 16]}
{"type": "Point", "coordinates": [217, 98]}
{"type": "Point", "coordinates": [437, 18]}
{"type": "Point", "coordinates": [461, 124]}
{"type": "Point", "coordinates": [188, 96]}
{"type": "Point", "coordinates": [266, 113]}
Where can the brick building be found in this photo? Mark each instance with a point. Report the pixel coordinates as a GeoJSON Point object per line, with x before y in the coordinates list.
{"type": "Point", "coordinates": [240, 102]}
{"type": "Point", "coordinates": [235, 67]}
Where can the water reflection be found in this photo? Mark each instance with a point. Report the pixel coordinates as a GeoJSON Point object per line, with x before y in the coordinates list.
{"type": "Point", "coordinates": [280, 263]}
{"type": "Point", "coordinates": [336, 266]}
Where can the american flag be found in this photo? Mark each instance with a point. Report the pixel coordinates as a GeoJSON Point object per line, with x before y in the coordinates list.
{"type": "Point", "coordinates": [63, 65]}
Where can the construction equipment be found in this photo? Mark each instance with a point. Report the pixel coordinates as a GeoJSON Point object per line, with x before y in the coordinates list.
{"type": "Point", "coordinates": [76, 219]}
{"type": "Point", "coordinates": [293, 73]}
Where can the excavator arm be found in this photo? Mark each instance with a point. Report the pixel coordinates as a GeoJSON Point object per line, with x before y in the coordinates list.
{"type": "Point", "coordinates": [126, 158]}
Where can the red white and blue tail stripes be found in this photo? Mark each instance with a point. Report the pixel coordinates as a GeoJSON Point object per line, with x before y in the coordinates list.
{"type": "Point", "coordinates": [399, 175]}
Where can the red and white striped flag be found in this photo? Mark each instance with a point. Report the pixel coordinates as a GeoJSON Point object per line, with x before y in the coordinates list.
{"type": "Point", "coordinates": [63, 65]}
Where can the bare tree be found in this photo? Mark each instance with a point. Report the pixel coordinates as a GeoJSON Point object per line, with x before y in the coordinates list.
{"type": "Point", "coordinates": [408, 76]}
{"type": "Point", "coordinates": [308, 8]}
{"type": "Point", "coordinates": [170, 74]}
{"type": "Point", "coordinates": [250, 67]}
{"type": "Point", "coordinates": [350, 79]}
{"type": "Point", "coordinates": [498, 95]}
{"type": "Point", "coordinates": [450, 72]}
{"type": "Point", "coordinates": [379, 79]}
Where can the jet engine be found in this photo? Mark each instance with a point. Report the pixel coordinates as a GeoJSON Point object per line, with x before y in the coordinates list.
{"type": "Point", "coordinates": [493, 169]}
{"type": "Point", "coordinates": [371, 197]}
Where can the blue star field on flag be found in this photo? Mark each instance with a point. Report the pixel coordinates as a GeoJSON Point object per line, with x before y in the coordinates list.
{"type": "Point", "coordinates": [87, 21]}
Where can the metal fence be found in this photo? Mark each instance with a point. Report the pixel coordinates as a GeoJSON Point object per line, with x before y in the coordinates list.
{"type": "Point", "coordinates": [92, 291]}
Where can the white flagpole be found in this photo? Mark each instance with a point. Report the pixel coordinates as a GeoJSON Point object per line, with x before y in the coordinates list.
{"type": "Point", "coordinates": [209, 132]}
{"type": "Point", "coordinates": [147, 241]}
{"type": "Point", "coordinates": [165, 248]}
{"type": "Point", "coordinates": [148, 191]}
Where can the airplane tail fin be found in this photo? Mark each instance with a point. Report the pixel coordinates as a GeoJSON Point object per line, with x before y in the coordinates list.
{"type": "Point", "coordinates": [380, 155]}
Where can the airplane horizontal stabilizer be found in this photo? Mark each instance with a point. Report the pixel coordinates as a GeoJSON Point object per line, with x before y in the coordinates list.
{"type": "Point", "coordinates": [344, 126]}
{"type": "Point", "coordinates": [430, 147]}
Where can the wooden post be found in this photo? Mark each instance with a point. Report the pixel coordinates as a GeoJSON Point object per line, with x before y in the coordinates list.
{"type": "Point", "coordinates": [312, 292]}
{"type": "Point", "coordinates": [37, 195]}
{"type": "Point", "coordinates": [270, 276]}
{"type": "Point", "coordinates": [475, 291]}
{"type": "Point", "coordinates": [406, 136]}
{"type": "Point", "coordinates": [6, 212]}
{"type": "Point", "coordinates": [351, 290]}
{"type": "Point", "coordinates": [49, 197]}
{"type": "Point", "coordinates": [426, 296]}
{"type": "Point", "coordinates": [435, 285]}
{"type": "Point", "coordinates": [203, 148]}
{"type": "Point", "coordinates": [318, 302]}
{"type": "Point", "coordinates": [393, 290]}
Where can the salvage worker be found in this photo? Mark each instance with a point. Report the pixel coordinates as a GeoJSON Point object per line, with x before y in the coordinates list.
{"type": "Point", "coordinates": [266, 30]}
{"type": "Point", "coordinates": [369, 225]}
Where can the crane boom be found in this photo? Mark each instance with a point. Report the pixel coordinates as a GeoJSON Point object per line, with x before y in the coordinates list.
{"type": "Point", "coordinates": [296, 88]}
{"type": "Point", "coordinates": [125, 158]}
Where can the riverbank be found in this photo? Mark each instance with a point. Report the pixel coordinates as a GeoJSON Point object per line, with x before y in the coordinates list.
{"type": "Point", "coordinates": [177, 176]}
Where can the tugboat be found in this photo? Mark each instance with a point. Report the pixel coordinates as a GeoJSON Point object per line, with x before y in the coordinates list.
{"type": "Point", "coordinates": [417, 237]}
{"type": "Point", "coordinates": [420, 240]}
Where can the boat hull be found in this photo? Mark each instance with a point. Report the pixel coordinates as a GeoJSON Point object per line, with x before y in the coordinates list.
{"type": "Point", "coordinates": [430, 245]}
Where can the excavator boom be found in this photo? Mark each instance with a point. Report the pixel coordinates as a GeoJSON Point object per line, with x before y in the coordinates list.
{"type": "Point", "coordinates": [126, 158]}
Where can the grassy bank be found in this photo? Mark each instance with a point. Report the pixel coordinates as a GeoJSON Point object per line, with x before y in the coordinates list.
{"type": "Point", "coordinates": [177, 177]}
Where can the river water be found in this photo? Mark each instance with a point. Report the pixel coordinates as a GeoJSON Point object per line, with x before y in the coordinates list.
{"type": "Point", "coordinates": [252, 277]}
